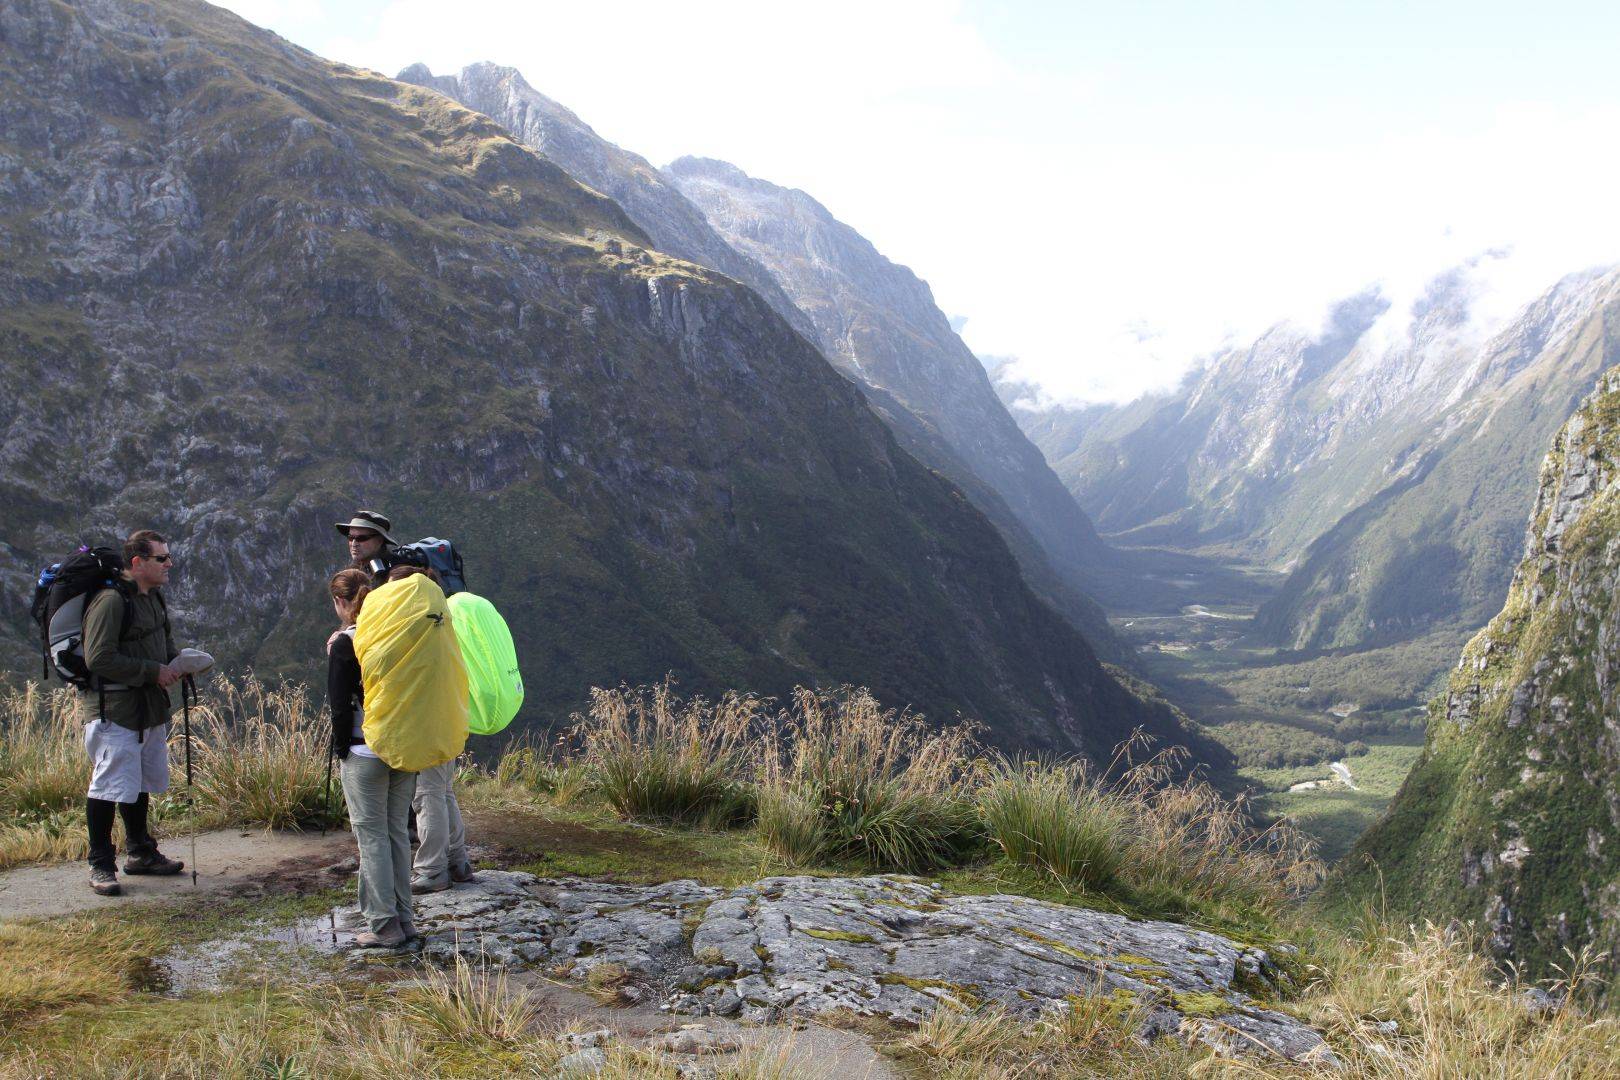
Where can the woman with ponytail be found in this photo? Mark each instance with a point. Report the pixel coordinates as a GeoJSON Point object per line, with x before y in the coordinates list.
{"type": "Point", "coordinates": [378, 795]}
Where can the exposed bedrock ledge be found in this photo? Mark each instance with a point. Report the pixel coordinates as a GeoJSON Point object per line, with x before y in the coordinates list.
{"type": "Point", "coordinates": [889, 947]}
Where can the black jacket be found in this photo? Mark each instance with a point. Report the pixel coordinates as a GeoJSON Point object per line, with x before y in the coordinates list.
{"type": "Point", "coordinates": [345, 693]}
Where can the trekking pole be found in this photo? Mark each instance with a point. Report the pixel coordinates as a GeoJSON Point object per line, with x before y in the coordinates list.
{"type": "Point", "coordinates": [188, 694]}
{"type": "Point", "coordinates": [326, 804]}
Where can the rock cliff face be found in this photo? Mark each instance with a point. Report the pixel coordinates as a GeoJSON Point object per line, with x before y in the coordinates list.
{"type": "Point", "coordinates": [1390, 471]}
{"type": "Point", "coordinates": [878, 323]}
{"type": "Point", "coordinates": [877, 298]}
{"type": "Point", "coordinates": [243, 289]}
{"type": "Point", "coordinates": [1511, 819]}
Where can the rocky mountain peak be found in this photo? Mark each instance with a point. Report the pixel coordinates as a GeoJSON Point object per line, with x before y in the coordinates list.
{"type": "Point", "coordinates": [676, 226]}
{"type": "Point", "coordinates": [878, 322]}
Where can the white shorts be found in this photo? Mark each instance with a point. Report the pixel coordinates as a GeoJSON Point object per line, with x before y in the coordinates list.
{"type": "Point", "coordinates": [126, 762]}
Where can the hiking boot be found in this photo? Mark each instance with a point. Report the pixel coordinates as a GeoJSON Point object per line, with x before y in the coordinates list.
{"type": "Point", "coordinates": [104, 881]}
{"type": "Point", "coordinates": [463, 874]}
{"type": "Point", "coordinates": [426, 885]}
{"type": "Point", "coordinates": [408, 929]}
{"type": "Point", "coordinates": [391, 937]}
{"type": "Point", "coordinates": [152, 862]}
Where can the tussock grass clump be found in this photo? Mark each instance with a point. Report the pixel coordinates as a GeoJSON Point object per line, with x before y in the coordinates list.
{"type": "Point", "coordinates": [952, 1033]}
{"type": "Point", "coordinates": [655, 758]}
{"type": "Point", "coordinates": [258, 756]}
{"type": "Point", "coordinates": [525, 764]}
{"type": "Point", "coordinates": [1191, 847]}
{"type": "Point", "coordinates": [473, 1001]}
{"type": "Point", "coordinates": [1056, 818]}
{"type": "Point", "coordinates": [1092, 1037]}
{"type": "Point", "coordinates": [844, 780]}
{"type": "Point", "coordinates": [83, 958]}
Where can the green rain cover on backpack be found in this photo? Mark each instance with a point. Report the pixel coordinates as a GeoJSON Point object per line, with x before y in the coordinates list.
{"type": "Point", "coordinates": [495, 686]}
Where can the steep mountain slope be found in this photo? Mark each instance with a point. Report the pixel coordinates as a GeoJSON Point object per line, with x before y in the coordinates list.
{"type": "Point", "coordinates": [1512, 817]}
{"type": "Point", "coordinates": [877, 322]}
{"type": "Point", "coordinates": [1436, 541]}
{"type": "Point", "coordinates": [1387, 470]}
{"type": "Point", "coordinates": [680, 228]}
{"type": "Point", "coordinates": [243, 289]}
{"type": "Point", "coordinates": [675, 226]}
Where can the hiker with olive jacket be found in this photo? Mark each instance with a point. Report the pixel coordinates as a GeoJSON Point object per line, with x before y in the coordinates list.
{"type": "Point", "coordinates": [128, 648]}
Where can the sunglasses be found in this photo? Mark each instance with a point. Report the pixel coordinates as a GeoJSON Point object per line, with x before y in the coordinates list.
{"type": "Point", "coordinates": [157, 558]}
{"type": "Point", "coordinates": [364, 538]}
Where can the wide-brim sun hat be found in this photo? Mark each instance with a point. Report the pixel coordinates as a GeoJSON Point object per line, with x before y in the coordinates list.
{"type": "Point", "coordinates": [366, 519]}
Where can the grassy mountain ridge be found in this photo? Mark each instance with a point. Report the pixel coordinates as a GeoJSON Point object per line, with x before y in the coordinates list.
{"type": "Point", "coordinates": [1510, 817]}
{"type": "Point", "coordinates": [244, 289]}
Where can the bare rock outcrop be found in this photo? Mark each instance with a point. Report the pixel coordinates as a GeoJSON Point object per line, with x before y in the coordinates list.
{"type": "Point", "coordinates": [895, 948]}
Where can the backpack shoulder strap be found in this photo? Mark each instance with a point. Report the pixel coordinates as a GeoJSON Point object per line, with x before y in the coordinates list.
{"type": "Point", "coordinates": [129, 610]}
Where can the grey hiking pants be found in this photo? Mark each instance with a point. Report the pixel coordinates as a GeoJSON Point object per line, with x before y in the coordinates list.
{"type": "Point", "coordinates": [443, 839]}
{"type": "Point", "coordinates": [379, 800]}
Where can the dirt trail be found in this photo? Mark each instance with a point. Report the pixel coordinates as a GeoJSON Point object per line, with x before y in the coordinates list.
{"type": "Point", "coordinates": [228, 861]}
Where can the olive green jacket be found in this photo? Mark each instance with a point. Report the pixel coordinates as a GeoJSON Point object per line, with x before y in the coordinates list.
{"type": "Point", "coordinates": [132, 662]}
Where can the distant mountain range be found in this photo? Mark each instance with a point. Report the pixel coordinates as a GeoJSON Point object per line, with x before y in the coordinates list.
{"type": "Point", "coordinates": [1385, 461]}
{"type": "Point", "coordinates": [244, 289]}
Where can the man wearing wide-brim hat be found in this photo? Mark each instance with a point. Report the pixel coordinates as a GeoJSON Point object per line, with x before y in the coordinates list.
{"type": "Point", "coordinates": [367, 533]}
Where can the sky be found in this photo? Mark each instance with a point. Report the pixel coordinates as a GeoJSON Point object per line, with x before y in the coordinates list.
{"type": "Point", "coordinates": [1105, 193]}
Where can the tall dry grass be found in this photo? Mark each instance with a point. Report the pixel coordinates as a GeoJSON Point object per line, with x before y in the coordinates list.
{"type": "Point", "coordinates": [1192, 847]}
{"type": "Point", "coordinates": [842, 779]}
{"type": "Point", "coordinates": [43, 775]}
{"type": "Point", "coordinates": [658, 758]}
{"type": "Point", "coordinates": [258, 756]}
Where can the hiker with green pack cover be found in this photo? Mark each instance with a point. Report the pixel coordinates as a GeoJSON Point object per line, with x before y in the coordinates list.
{"type": "Point", "coordinates": [494, 684]}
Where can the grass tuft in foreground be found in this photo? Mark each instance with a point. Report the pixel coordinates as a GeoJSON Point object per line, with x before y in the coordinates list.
{"type": "Point", "coordinates": [843, 780]}
{"type": "Point", "coordinates": [656, 758]}
{"type": "Point", "coordinates": [1057, 818]}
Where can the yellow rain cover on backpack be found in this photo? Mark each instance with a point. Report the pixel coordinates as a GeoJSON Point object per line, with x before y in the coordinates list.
{"type": "Point", "coordinates": [495, 685]}
{"type": "Point", "coordinates": [415, 681]}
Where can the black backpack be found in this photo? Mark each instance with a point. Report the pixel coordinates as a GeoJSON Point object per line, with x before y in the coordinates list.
{"type": "Point", "coordinates": [62, 595]}
{"type": "Point", "coordinates": [439, 555]}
